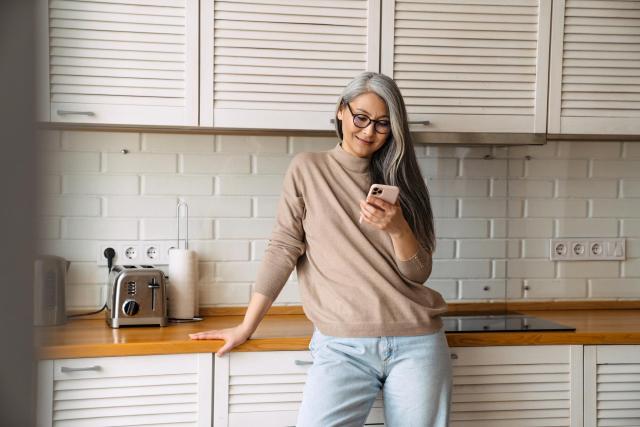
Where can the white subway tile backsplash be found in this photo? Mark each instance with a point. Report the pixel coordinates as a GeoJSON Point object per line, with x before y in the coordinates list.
{"type": "Point", "coordinates": [85, 296]}
{"type": "Point", "coordinates": [206, 272]}
{"type": "Point", "coordinates": [536, 248]}
{"type": "Point", "coordinates": [135, 163]}
{"type": "Point", "coordinates": [445, 249]}
{"type": "Point", "coordinates": [630, 228]}
{"type": "Point", "coordinates": [461, 228]}
{"type": "Point", "coordinates": [530, 228]}
{"type": "Point", "coordinates": [69, 162]}
{"type": "Point", "coordinates": [616, 169]}
{"type": "Point", "coordinates": [215, 164]}
{"type": "Point", "coordinates": [69, 206]}
{"type": "Point", "coordinates": [499, 268]}
{"type": "Point", "coordinates": [587, 188]}
{"type": "Point", "coordinates": [516, 168]}
{"type": "Point", "coordinates": [631, 150]}
{"type": "Point", "coordinates": [447, 288]}
{"type": "Point", "coordinates": [167, 229]}
{"type": "Point", "coordinates": [589, 150]}
{"type": "Point", "coordinates": [245, 228]}
{"type": "Point", "coordinates": [48, 228]}
{"type": "Point", "coordinates": [177, 185]}
{"type": "Point", "coordinates": [515, 208]}
{"type": "Point", "coordinates": [461, 269]}
{"type": "Point", "coordinates": [177, 143]}
{"type": "Point", "coordinates": [630, 188]}
{"type": "Point", "coordinates": [301, 144]}
{"type": "Point", "coordinates": [438, 167]}
{"type": "Point", "coordinates": [481, 248]}
{"type": "Point", "coordinates": [498, 228]}
{"type": "Point", "coordinates": [272, 164]}
{"type": "Point", "coordinates": [483, 168]}
{"type": "Point", "coordinates": [225, 294]}
{"type": "Point", "coordinates": [221, 250]}
{"type": "Point", "coordinates": [548, 208]}
{"type": "Point", "coordinates": [251, 144]}
{"type": "Point", "coordinates": [266, 207]}
{"type": "Point", "coordinates": [588, 269]}
{"type": "Point", "coordinates": [457, 187]}
{"type": "Point", "coordinates": [633, 248]}
{"type": "Point", "coordinates": [86, 272]}
{"type": "Point", "coordinates": [257, 249]}
{"type": "Point", "coordinates": [556, 288]}
{"type": "Point", "coordinates": [72, 250]}
{"type": "Point", "coordinates": [458, 152]}
{"type": "Point", "coordinates": [498, 188]}
{"type": "Point", "coordinates": [444, 207]}
{"type": "Point", "coordinates": [514, 248]}
{"type": "Point", "coordinates": [99, 229]}
{"type": "Point", "coordinates": [490, 289]}
{"type": "Point", "coordinates": [576, 227]}
{"type": "Point", "coordinates": [628, 208]}
{"type": "Point", "coordinates": [100, 184]}
{"type": "Point", "coordinates": [483, 208]}
{"type": "Point", "coordinates": [136, 206]}
{"type": "Point", "coordinates": [614, 288]}
{"type": "Point", "coordinates": [218, 206]}
{"type": "Point", "coordinates": [236, 271]}
{"type": "Point", "coordinates": [526, 268]}
{"type": "Point", "coordinates": [546, 151]}
{"type": "Point", "coordinates": [557, 168]}
{"type": "Point", "coordinates": [290, 295]}
{"type": "Point", "coordinates": [250, 185]}
{"type": "Point", "coordinates": [112, 142]}
{"type": "Point", "coordinates": [631, 268]}
{"type": "Point", "coordinates": [530, 188]}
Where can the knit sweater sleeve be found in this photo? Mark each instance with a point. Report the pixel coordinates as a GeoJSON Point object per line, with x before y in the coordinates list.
{"type": "Point", "coordinates": [287, 241]}
{"type": "Point", "coordinates": [418, 267]}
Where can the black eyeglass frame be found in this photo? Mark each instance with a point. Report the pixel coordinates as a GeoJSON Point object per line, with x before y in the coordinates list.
{"type": "Point", "coordinates": [369, 121]}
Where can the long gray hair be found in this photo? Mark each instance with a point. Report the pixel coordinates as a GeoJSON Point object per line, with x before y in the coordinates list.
{"type": "Point", "coordinates": [395, 162]}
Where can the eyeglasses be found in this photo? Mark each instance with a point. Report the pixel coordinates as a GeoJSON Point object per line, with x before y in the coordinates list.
{"type": "Point", "coordinates": [362, 121]}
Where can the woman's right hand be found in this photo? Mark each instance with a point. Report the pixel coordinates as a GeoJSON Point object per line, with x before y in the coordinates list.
{"type": "Point", "coordinates": [232, 337]}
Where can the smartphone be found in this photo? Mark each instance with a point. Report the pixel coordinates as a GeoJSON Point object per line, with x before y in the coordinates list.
{"type": "Point", "coordinates": [388, 193]}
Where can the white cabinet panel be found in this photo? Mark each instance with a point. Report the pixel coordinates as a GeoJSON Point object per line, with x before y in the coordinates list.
{"type": "Point", "coordinates": [125, 62]}
{"type": "Point", "coordinates": [123, 391]}
{"type": "Point", "coordinates": [595, 67]}
{"type": "Point", "coordinates": [612, 385]}
{"type": "Point", "coordinates": [282, 64]}
{"type": "Point", "coordinates": [469, 66]}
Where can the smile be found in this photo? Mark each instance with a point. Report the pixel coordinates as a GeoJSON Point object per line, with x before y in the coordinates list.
{"type": "Point", "coordinates": [363, 141]}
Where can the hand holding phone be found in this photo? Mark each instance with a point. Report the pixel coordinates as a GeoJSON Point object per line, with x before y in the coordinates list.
{"type": "Point", "coordinates": [388, 193]}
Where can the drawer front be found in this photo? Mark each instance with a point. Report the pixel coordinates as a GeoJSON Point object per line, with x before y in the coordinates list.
{"type": "Point", "coordinates": [109, 367]}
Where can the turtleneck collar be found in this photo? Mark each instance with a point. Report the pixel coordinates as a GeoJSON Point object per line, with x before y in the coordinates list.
{"type": "Point", "coordinates": [349, 161]}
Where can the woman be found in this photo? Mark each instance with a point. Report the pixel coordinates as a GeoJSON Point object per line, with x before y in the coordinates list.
{"type": "Point", "coordinates": [376, 326]}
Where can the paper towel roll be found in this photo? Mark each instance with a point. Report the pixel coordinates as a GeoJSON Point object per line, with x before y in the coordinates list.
{"type": "Point", "coordinates": [183, 284]}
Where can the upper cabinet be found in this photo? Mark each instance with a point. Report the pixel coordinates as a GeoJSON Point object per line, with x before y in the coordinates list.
{"type": "Point", "coordinates": [595, 67]}
{"type": "Point", "coordinates": [469, 65]}
{"type": "Point", "coordinates": [282, 64]}
{"type": "Point", "coordinates": [125, 62]}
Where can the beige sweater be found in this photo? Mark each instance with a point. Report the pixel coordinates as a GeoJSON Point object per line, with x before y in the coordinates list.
{"type": "Point", "coordinates": [351, 283]}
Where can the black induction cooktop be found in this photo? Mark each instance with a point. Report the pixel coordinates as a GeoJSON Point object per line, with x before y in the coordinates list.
{"type": "Point", "coordinates": [508, 322]}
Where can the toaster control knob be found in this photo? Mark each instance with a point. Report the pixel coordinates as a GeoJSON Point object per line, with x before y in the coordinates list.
{"type": "Point", "coordinates": [130, 307]}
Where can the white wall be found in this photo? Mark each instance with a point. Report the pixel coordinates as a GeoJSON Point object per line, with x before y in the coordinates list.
{"type": "Point", "coordinates": [489, 228]}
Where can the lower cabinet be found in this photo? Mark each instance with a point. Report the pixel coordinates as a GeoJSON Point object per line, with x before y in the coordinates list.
{"type": "Point", "coordinates": [173, 390]}
{"type": "Point", "coordinates": [612, 385]}
{"type": "Point", "coordinates": [493, 386]}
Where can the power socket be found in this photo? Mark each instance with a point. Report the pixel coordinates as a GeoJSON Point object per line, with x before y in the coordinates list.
{"type": "Point", "coordinates": [595, 249]}
{"type": "Point", "coordinates": [140, 252]}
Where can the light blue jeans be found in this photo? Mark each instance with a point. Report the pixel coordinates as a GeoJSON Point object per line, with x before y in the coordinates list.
{"type": "Point", "coordinates": [414, 373]}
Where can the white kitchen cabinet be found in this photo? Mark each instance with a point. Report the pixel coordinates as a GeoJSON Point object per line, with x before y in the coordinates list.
{"type": "Point", "coordinates": [611, 385]}
{"type": "Point", "coordinates": [517, 386]}
{"type": "Point", "coordinates": [124, 62]}
{"type": "Point", "coordinates": [594, 81]}
{"type": "Point", "coordinates": [265, 389]}
{"type": "Point", "coordinates": [171, 390]}
{"type": "Point", "coordinates": [469, 66]}
{"type": "Point", "coordinates": [282, 64]}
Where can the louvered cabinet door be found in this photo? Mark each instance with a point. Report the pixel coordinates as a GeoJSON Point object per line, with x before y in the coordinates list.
{"type": "Point", "coordinates": [468, 65]}
{"type": "Point", "coordinates": [265, 389]}
{"type": "Point", "coordinates": [119, 62]}
{"type": "Point", "coordinates": [156, 390]}
{"type": "Point", "coordinates": [514, 386]}
{"type": "Point", "coordinates": [612, 385]}
{"type": "Point", "coordinates": [282, 64]}
{"type": "Point", "coordinates": [594, 85]}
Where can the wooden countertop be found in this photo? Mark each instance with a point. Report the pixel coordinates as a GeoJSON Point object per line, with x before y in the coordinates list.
{"type": "Point", "coordinates": [93, 338]}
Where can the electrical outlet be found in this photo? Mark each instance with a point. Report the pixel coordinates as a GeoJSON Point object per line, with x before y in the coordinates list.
{"type": "Point", "coordinates": [587, 249]}
{"type": "Point", "coordinates": [137, 252]}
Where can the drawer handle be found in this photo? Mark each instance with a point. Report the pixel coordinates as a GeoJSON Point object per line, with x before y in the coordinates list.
{"type": "Point", "coordinates": [302, 362]}
{"type": "Point", "coordinates": [454, 356]}
{"type": "Point", "coordinates": [79, 113]}
{"type": "Point", "coordinates": [423, 123]}
{"type": "Point", "coordinates": [89, 368]}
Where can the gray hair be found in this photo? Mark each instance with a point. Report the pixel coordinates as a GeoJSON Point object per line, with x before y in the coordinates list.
{"type": "Point", "coordinates": [395, 162]}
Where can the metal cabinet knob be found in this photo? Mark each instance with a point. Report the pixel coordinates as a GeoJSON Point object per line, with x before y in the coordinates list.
{"type": "Point", "coordinates": [454, 356]}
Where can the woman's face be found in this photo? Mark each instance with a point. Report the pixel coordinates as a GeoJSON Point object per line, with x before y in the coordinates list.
{"type": "Point", "coordinates": [363, 142]}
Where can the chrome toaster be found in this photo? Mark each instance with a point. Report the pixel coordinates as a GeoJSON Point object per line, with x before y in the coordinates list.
{"type": "Point", "coordinates": [137, 296]}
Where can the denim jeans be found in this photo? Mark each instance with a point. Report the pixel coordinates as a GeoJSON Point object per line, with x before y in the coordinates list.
{"type": "Point", "coordinates": [413, 372]}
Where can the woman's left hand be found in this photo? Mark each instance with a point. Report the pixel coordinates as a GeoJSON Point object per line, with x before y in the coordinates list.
{"type": "Point", "coordinates": [383, 215]}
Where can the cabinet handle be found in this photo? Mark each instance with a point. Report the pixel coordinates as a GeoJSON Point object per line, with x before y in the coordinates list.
{"type": "Point", "coordinates": [89, 368]}
{"type": "Point", "coordinates": [454, 356]}
{"type": "Point", "coordinates": [79, 113]}
{"type": "Point", "coordinates": [422, 122]}
{"type": "Point", "coordinates": [302, 362]}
